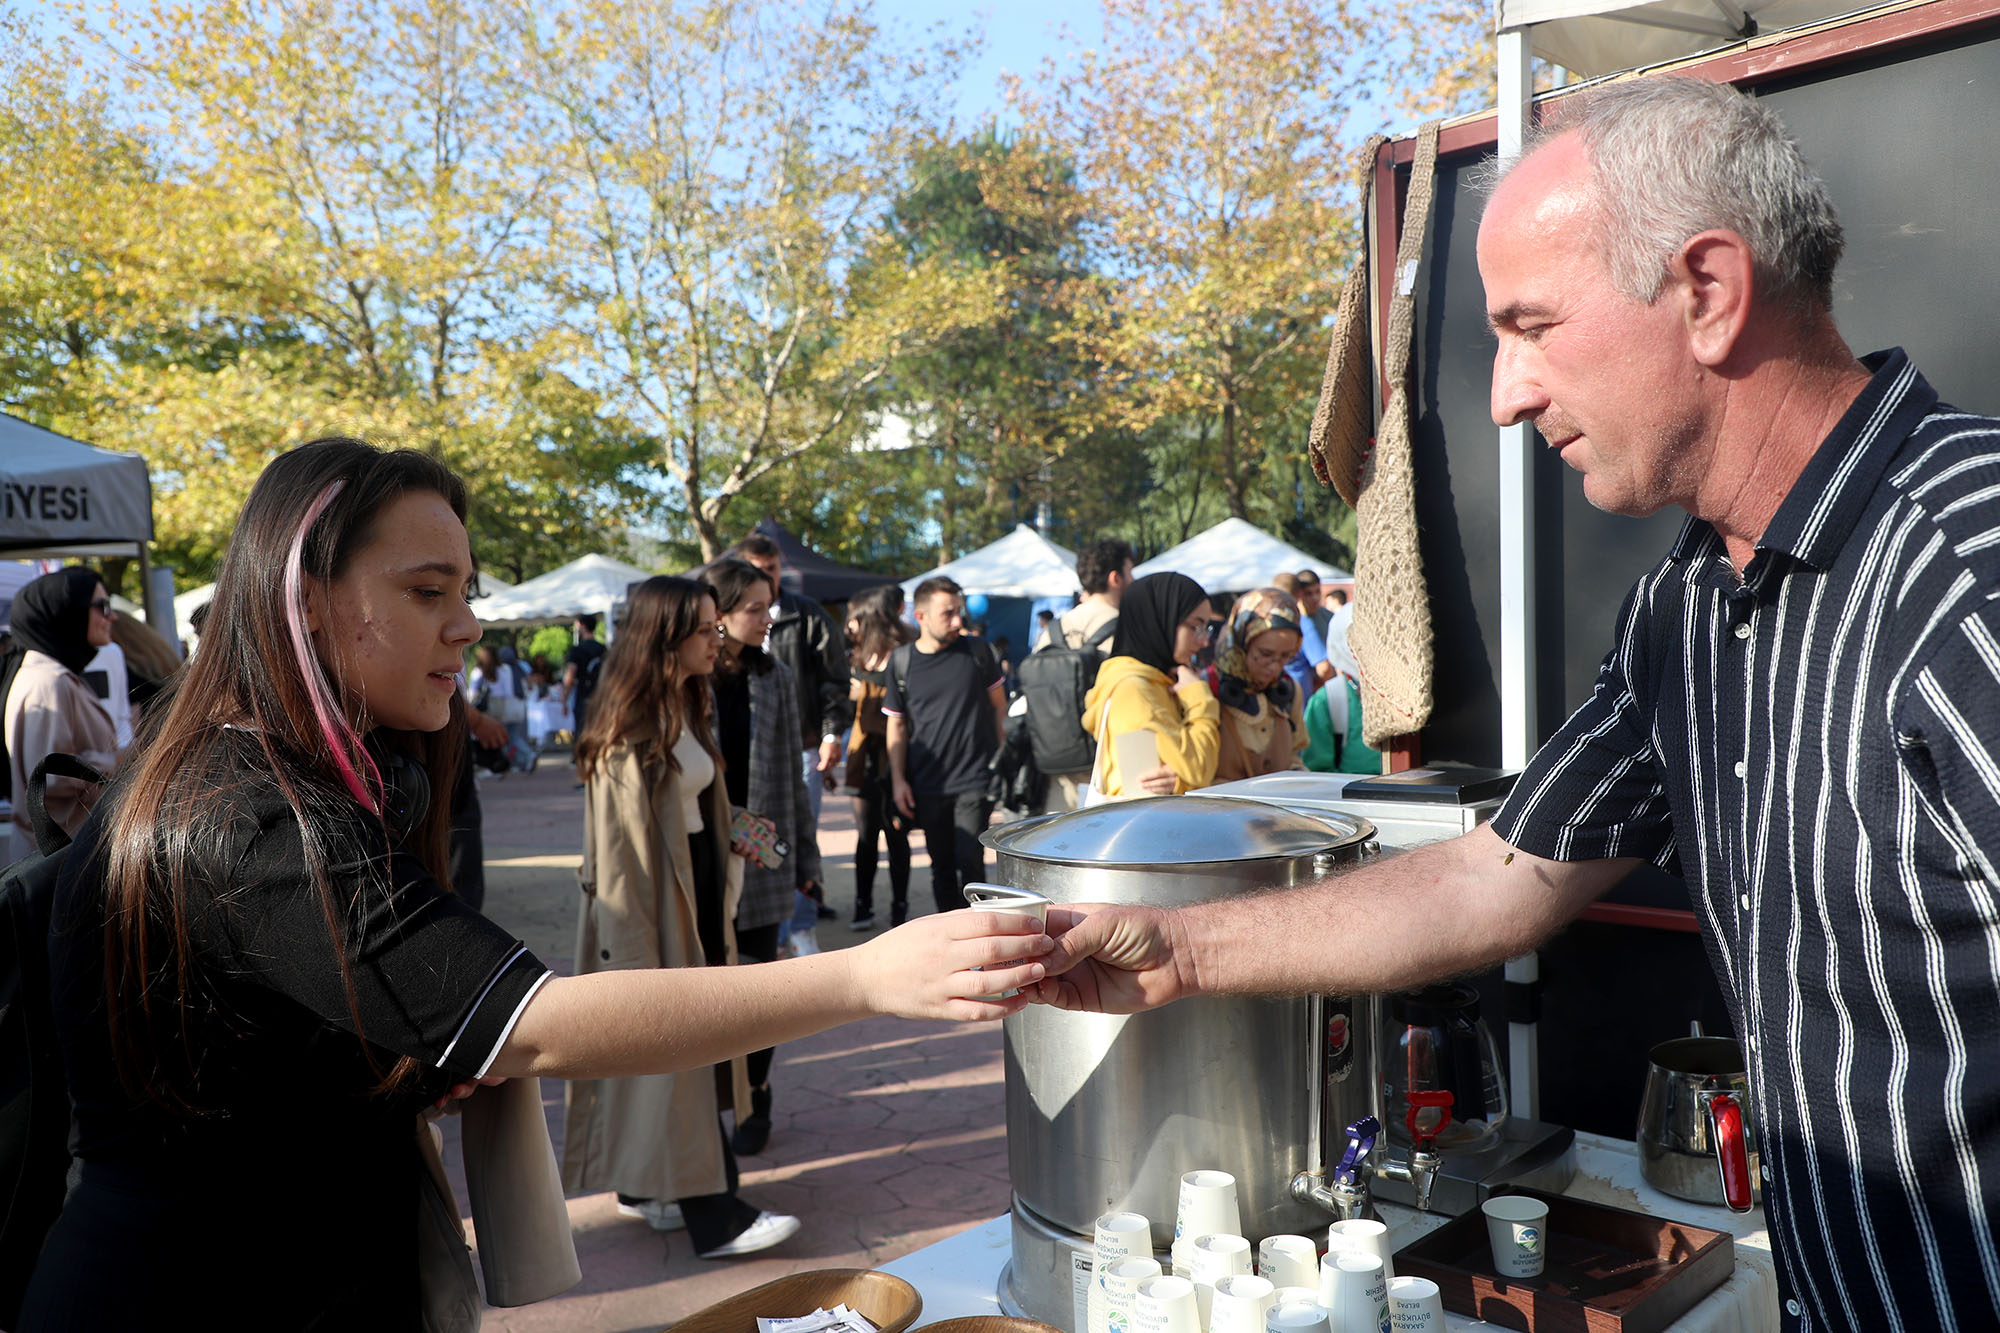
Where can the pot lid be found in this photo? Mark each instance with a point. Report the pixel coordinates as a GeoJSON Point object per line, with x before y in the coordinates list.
{"type": "Point", "coordinates": [1176, 830]}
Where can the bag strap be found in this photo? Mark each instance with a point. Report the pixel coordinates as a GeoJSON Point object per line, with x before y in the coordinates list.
{"type": "Point", "coordinates": [899, 671]}
{"type": "Point", "coordinates": [586, 870]}
{"type": "Point", "coordinates": [1409, 251]}
{"type": "Point", "coordinates": [1102, 633]}
{"type": "Point", "coordinates": [49, 835]}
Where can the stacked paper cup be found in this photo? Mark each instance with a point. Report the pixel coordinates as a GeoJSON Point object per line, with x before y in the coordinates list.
{"type": "Point", "coordinates": [1239, 1304]}
{"type": "Point", "coordinates": [1207, 1208]}
{"type": "Point", "coordinates": [1415, 1306]}
{"type": "Point", "coordinates": [1362, 1235]}
{"type": "Point", "coordinates": [1210, 1259]}
{"type": "Point", "coordinates": [1121, 1289]}
{"type": "Point", "coordinates": [1288, 1261]}
{"type": "Point", "coordinates": [1354, 1292]}
{"type": "Point", "coordinates": [1297, 1317]}
{"type": "Point", "coordinates": [1119, 1236]}
{"type": "Point", "coordinates": [1166, 1305]}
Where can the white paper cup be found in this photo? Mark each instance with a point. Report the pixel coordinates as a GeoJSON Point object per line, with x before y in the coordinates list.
{"type": "Point", "coordinates": [1166, 1305]}
{"type": "Point", "coordinates": [1239, 1303]}
{"type": "Point", "coordinates": [1354, 1292]}
{"type": "Point", "coordinates": [1119, 1236]}
{"type": "Point", "coordinates": [1297, 1317]}
{"type": "Point", "coordinates": [1012, 902]}
{"type": "Point", "coordinates": [1299, 1295]}
{"type": "Point", "coordinates": [1121, 1289]}
{"type": "Point", "coordinates": [1210, 1259]}
{"type": "Point", "coordinates": [1207, 1206]}
{"type": "Point", "coordinates": [1289, 1261]}
{"type": "Point", "coordinates": [1362, 1235]}
{"type": "Point", "coordinates": [1415, 1306]}
{"type": "Point", "coordinates": [1515, 1224]}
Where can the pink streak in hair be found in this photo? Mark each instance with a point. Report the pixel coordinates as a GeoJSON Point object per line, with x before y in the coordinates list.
{"type": "Point", "coordinates": [341, 737]}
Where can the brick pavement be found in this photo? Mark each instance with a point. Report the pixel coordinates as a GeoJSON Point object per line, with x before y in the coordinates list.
{"type": "Point", "coordinates": [887, 1135]}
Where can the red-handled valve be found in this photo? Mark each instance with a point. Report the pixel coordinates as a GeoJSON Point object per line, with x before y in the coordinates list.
{"type": "Point", "coordinates": [1731, 1153]}
{"type": "Point", "coordinates": [1441, 1100]}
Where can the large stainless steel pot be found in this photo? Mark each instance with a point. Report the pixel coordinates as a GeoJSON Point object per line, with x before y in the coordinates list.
{"type": "Point", "coordinates": [1105, 1113]}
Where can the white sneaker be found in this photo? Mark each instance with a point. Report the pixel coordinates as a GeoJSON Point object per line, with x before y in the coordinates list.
{"type": "Point", "coordinates": [804, 942]}
{"type": "Point", "coordinates": [769, 1229]}
{"type": "Point", "coordinates": [659, 1214]}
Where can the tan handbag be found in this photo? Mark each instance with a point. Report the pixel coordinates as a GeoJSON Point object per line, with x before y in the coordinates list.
{"type": "Point", "coordinates": [527, 1252]}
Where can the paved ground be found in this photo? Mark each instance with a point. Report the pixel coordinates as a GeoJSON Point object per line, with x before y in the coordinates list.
{"type": "Point", "coordinates": [888, 1135]}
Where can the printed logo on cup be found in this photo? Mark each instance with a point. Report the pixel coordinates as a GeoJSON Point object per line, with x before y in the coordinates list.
{"type": "Point", "coordinates": [1529, 1238]}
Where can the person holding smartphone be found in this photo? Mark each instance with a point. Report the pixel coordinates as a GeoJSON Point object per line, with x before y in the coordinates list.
{"type": "Point", "coordinates": [757, 732]}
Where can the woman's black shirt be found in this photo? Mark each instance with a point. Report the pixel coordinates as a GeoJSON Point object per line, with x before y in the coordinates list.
{"type": "Point", "coordinates": [290, 1200]}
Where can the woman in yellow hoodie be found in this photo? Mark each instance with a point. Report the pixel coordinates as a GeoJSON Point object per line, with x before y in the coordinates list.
{"type": "Point", "coordinates": [1146, 685]}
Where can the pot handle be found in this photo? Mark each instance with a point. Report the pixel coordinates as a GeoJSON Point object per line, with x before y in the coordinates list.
{"type": "Point", "coordinates": [1731, 1155]}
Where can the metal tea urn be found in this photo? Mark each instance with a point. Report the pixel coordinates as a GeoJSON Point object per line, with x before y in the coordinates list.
{"type": "Point", "coordinates": [1105, 1113]}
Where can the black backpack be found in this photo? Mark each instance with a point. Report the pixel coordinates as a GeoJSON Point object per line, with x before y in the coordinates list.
{"type": "Point", "coordinates": [1056, 680]}
{"type": "Point", "coordinates": [34, 1099]}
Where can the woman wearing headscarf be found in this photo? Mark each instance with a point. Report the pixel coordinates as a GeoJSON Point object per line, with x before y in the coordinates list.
{"type": "Point", "coordinates": [1147, 685]}
{"type": "Point", "coordinates": [1263, 721]}
{"type": "Point", "coordinates": [60, 621]}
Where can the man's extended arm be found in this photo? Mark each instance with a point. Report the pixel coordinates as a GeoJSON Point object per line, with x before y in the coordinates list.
{"type": "Point", "coordinates": [1433, 912]}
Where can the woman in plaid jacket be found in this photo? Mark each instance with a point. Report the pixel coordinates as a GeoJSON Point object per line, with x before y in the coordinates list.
{"type": "Point", "coordinates": [759, 732]}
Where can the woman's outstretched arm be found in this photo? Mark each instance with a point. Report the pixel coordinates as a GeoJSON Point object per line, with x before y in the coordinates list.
{"type": "Point", "coordinates": [659, 1020]}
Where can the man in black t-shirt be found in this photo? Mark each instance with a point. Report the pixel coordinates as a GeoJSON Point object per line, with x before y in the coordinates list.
{"type": "Point", "coordinates": [946, 703]}
{"type": "Point", "coordinates": [580, 668]}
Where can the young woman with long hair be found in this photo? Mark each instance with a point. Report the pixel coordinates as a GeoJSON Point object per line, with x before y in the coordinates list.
{"type": "Point", "coordinates": [653, 784]}
{"type": "Point", "coordinates": [874, 630]}
{"type": "Point", "coordinates": [260, 977]}
{"type": "Point", "coordinates": [759, 733]}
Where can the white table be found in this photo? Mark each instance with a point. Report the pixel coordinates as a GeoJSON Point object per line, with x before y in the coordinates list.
{"type": "Point", "coordinates": [961, 1274]}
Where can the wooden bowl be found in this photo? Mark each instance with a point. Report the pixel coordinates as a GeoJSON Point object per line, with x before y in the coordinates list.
{"type": "Point", "coordinates": [989, 1323]}
{"type": "Point", "coordinates": [888, 1302]}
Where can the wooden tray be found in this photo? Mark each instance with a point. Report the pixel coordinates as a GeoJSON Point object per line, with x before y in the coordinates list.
{"type": "Point", "coordinates": [989, 1323]}
{"type": "Point", "coordinates": [1609, 1270]}
{"type": "Point", "coordinates": [888, 1302]}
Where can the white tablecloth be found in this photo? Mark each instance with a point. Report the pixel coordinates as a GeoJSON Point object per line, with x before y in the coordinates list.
{"type": "Point", "coordinates": [961, 1275]}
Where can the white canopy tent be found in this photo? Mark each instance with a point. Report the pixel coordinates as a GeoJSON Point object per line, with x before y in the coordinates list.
{"type": "Point", "coordinates": [64, 499]}
{"type": "Point", "coordinates": [1235, 556]}
{"type": "Point", "coordinates": [1024, 563]}
{"type": "Point", "coordinates": [187, 603]}
{"type": "Point", "coordinates": [1593, 37]}
{"type": "Point", "coordinates": [591, 583]}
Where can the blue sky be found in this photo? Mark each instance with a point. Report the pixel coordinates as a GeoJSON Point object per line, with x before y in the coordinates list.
{"type": "Point", "coordinates": [1019, 34]}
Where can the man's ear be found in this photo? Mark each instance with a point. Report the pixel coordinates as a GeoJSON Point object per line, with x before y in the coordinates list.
{"type": "Point", "coordinates": [1714, 274]}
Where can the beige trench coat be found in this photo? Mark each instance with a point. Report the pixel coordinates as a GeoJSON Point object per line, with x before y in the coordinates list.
{"type": "Point", "coordinates": [655, 1136]}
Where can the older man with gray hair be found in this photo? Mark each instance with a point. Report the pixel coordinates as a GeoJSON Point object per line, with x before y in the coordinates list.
{"type": "Point", "coordinates": [1798, 712]}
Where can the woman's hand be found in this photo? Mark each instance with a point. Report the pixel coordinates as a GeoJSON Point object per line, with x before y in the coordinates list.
{"type": "Point", "coordinates": [1184, 675]}
{"type": "Point", "coordinates": [448, 1104]}
{"type": "Point", "coordinates": [929, 968]}
{"type": "Point", "coordinates": [1160, 782]}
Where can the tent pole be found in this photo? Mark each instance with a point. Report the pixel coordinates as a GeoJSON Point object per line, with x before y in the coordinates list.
{"type": "Point", "coordinates": [1518, 723]}
{"type": "Point", "coordinates": [146, 587]}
